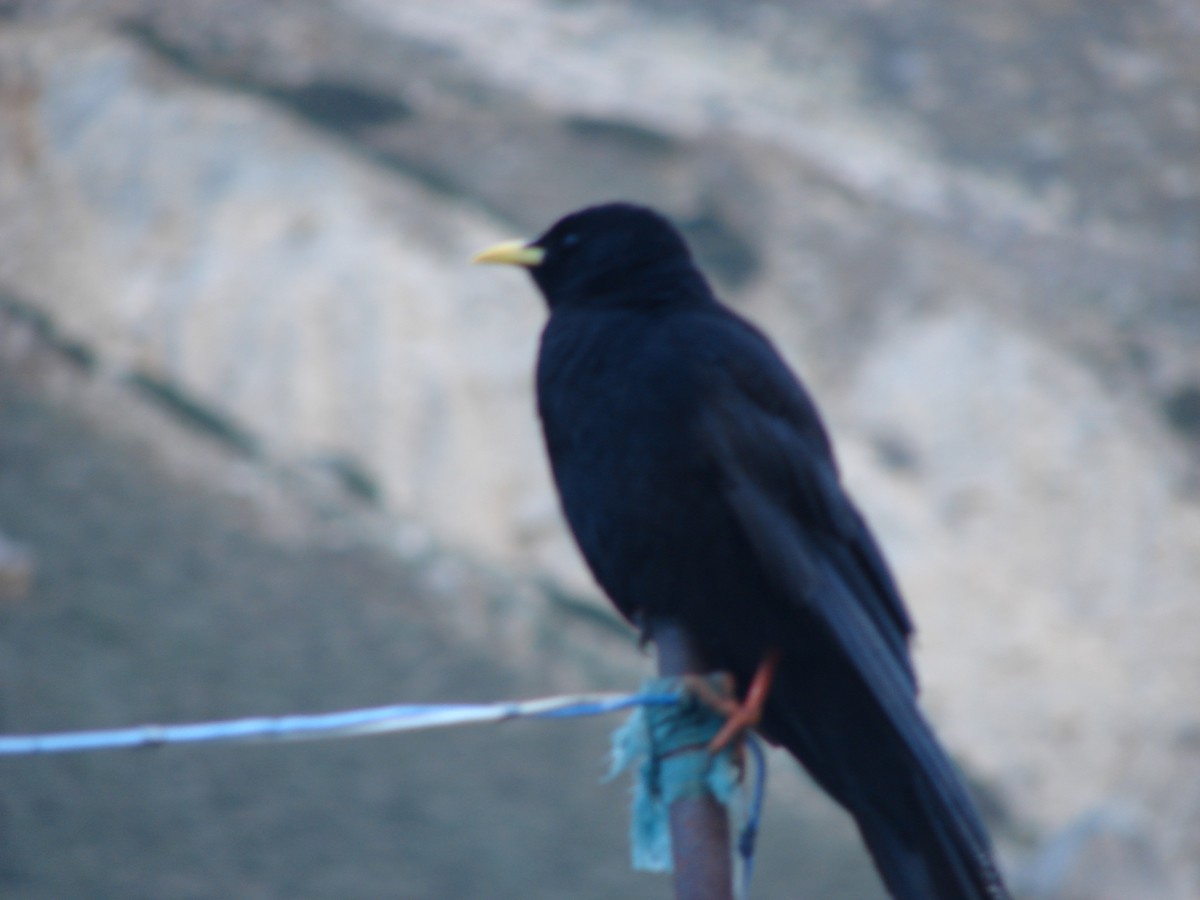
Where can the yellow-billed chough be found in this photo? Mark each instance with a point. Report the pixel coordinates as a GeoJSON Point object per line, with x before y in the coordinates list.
{"type": "Point", "coordinates": [698, 480]}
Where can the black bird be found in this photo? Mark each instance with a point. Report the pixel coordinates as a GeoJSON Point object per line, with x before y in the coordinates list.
{"type": "Point", "coordinates": [698, 480]}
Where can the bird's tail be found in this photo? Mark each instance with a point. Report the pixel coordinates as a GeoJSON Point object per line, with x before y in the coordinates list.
{"type": "Point", "coordinates": [912, 808]}
{"type": "Point", "coordinates": [930, 854]}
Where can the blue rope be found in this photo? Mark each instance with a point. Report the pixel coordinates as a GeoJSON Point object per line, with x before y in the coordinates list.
{"type": "Point", "coordinates": [349, 723]}
{"type": "Point", "coordinates": [378, 720]}
{"type": "Point", "coordinates": [749, 835]}
{"type": "Point", "coordinates": [597, 708]}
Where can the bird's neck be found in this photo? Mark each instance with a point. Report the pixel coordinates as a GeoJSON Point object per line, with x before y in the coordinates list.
{"type": "Point", "coordinates": [652, 287]}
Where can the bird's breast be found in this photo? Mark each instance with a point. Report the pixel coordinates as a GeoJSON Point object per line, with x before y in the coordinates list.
{"type": "Point", "coordinates": [618, 408]}
{"type": "Point", "coordinates": [615, 396]}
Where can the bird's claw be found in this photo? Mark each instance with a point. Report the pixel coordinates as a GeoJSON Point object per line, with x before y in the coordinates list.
{"type": "Point", "coordinates": [740, 716]}
{"type": "Point", "coordinates": [718, 694]}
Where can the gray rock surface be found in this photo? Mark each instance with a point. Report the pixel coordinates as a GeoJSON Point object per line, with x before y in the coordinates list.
{"type": "Point", "coordinates": [973, 229]}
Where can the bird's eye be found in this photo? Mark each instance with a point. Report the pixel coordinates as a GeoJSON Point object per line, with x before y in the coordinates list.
{"type": "Point", "coordinates": [569, 240]}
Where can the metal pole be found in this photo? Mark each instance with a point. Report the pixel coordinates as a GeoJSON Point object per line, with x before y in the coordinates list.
{"type": "Point", "coordinates": [699, 825]}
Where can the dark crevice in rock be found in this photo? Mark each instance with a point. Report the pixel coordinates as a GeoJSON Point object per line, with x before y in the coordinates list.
{"type": "Point", "coordinates": [1181, 409]}
{"type": "Point", "coordinates": [354, 478]}
{"type": "Point", "coordinates": [46, 331]}
{"type": "Point", "coordinates": [630, 135]}
{"type": "Point", "coordinates": [194, 413]}
{"type": "Point", "coordinates": [336, 105]}
{"type": "Point", "coordinates": [732, 258]}
{"type": "Point", "coordinates": [342, 108]}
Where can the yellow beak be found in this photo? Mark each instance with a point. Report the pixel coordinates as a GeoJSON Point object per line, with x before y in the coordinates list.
{"type": "Point", "coordinates": [511, 253]}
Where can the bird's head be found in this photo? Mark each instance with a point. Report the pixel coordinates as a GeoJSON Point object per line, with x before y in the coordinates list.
{"type": "Point", "coordinates": [613, 253]}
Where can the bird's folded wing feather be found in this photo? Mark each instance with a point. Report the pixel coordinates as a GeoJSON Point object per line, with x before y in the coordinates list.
{"type": "Point", "coordinates": [779, 477]}
{"type": "Point", "coordinates": [816, 547]}
{"type": "Point", "coordinates": [780, 482]}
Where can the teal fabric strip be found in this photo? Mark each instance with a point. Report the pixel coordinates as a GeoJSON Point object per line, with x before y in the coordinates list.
{"type": "Point", "coordinates": [668, 744]}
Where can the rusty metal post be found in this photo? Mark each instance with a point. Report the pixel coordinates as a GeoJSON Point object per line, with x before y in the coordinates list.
{"type": "Point", "coordinates": [699, 825]}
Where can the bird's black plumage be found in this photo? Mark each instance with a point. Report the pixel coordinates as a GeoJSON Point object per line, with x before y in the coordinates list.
{"type": "Point", "coordinates": [700, 484]}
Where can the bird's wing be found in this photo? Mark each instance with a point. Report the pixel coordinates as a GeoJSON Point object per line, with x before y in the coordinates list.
{"type": "Point", "coordinates": [778, 475]}
{"type": "Point", "coordinates": [780, 483]}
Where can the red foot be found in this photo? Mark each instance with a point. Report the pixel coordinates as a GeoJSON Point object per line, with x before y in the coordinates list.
{"type": "Point", "coordinates": [740, 717]}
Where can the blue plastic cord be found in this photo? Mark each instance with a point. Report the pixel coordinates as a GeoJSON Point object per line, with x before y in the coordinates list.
{"type": "Point", "coordinates": [325, 726]}
{"type": "Point", "coordinates": [377, 720]}
{"type": "Point", "coordinates": [749, 835]}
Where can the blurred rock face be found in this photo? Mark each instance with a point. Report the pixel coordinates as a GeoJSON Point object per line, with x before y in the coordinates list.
{"type": "Point", "coordinates": [973, 231]}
